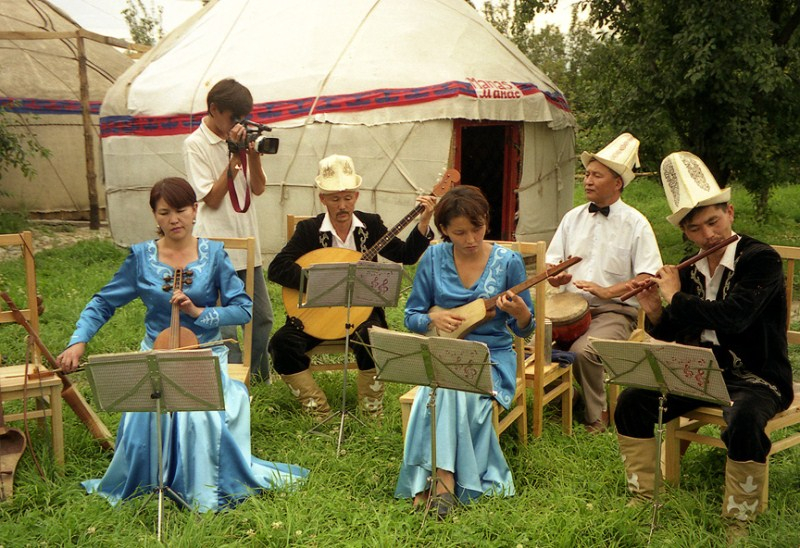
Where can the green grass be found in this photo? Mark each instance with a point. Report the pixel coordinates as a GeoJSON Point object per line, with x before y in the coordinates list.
{"type": "Point", "coordinates": [570, 490]}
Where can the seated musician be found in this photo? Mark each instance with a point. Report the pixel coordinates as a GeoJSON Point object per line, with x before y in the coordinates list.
{"type": "Point", "coordinates": [341, 226]}
{"type": "Point", "coordinates": [616, 243]}
{"type": "Point", "coordinates": [732, 301]}
{"type": "Point", "coordinates": [469, 460]}
{"type": "Point", "coordinates": [207, 461]}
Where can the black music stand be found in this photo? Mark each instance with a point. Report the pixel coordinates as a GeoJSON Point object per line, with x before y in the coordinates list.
{"type": "Point", "coordinates": [668, 368]}
{"type": "Point", "coordinates": [363, 283]}
{"type": "Point", "coordinates": [157, 381]}
{"type": "Point", "coordinates": [435, 362]}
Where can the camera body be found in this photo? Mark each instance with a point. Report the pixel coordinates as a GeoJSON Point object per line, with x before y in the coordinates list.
{"type": "Point", "coordinates": [254, 134]}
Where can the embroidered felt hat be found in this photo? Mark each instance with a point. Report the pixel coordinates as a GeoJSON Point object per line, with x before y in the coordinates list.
{"type": "Point", "coordinates": [336, 174]}
{"type": "Point", "coordinates": [621, 156]}
{"type": "Point", "coordinates": [688, 184]}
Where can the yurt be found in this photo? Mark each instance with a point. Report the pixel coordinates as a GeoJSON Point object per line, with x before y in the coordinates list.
{"type": "Point", "coordinates": [407, 89]}
{"type": "Point", "coordinates": [40, 90]}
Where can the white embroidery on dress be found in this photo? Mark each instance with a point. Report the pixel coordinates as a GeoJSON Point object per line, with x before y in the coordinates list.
{"type": "Point", "coordinates": [209, 318]}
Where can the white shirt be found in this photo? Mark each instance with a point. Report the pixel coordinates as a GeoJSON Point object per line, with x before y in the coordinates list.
{"type": "Point", "coordinates": [350, 241]}
{"type": "Point", "coordinates": [205, 156]}
{"type": "Point", "coordinates": [713, 282]}
{"type": "Point", "coordinates": [613, 249]}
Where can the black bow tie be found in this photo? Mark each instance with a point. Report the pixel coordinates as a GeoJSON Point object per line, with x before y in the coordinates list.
{"type": "Point", "coordinates": [594, 208]}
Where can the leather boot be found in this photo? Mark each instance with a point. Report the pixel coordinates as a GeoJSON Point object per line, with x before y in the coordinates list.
{"type": "Point", "coordinates": [370, 393]}
{"type": "Point", "coordinates": [310, 396]}
{"type": "Point", "coordinates": [744, 489]}
{"type": "Point", "coordinates": [639, 457]}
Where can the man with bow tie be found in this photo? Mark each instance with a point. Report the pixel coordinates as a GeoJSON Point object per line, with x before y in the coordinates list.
{"type": "Point", "coordinates": [617, 244]}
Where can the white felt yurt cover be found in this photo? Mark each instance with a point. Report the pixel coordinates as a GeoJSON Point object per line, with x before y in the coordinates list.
{"type": "Point", "coordinates": [40, 92]}
{"type": "Point", "coordinates": [378, 80]}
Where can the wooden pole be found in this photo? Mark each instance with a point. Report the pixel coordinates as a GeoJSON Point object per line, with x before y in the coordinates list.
{"type": "Point", "coordinates": [88, 144]}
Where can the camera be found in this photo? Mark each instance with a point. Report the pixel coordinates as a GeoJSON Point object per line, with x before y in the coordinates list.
{"type": "Point", "coordinates": [255, 131]}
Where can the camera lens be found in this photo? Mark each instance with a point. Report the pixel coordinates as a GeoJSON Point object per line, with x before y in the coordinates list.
{"type": "Point", "coordinates": [266, 145]}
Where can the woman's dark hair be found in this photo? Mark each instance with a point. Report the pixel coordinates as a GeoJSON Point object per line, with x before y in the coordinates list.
{"type": "Point", "coordinates": [228, 94]}
{"type": "Point", "coordinates": [175, 191]}
{"type": "Point", "coordinates": [461, 201]}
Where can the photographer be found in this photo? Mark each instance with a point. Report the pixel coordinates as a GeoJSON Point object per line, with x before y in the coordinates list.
{"type": "Point", "coordinates": [224, 167]}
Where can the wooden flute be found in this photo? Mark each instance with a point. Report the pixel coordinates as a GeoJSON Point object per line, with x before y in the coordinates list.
{"type": "Point", "coordinates": [688, 262]}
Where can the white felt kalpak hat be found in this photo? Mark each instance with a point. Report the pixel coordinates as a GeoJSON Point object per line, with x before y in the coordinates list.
{"type": "Point", "coordinates": [621, 155]}
{"type": "Point", "coordinates": [337, 174]}
{"type": "Point", "coordinates": [688, 184]}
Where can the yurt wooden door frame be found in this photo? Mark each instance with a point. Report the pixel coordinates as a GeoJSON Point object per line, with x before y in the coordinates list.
{"type": "Point", "coordinates": [487, 154]}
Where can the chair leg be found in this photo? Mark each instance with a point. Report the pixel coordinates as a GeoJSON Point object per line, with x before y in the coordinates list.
{"type": "Point", "coordinates": [672, 453]}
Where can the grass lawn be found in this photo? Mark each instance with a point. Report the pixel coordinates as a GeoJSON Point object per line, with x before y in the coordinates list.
{"type": "Point", "coordinates": [570, 490]}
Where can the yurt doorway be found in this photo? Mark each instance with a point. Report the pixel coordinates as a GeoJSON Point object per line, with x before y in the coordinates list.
{"type": "Point", "coordinates": [487, 156]}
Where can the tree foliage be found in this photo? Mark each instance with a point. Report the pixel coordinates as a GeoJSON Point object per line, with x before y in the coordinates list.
{"type": "Point", "coordinates": [16, 148]}
{"type": "Point", "coordinates": [718, 79]}
{"type": "Point", "coordinates": [146, 26]}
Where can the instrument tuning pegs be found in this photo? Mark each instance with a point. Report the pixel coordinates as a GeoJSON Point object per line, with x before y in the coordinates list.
{"type": "Point", "coordinates": [167, 287]}
{"type": "Point", "coordinates": [167, 277]}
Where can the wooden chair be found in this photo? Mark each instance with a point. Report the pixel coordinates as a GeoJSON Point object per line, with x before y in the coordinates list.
{"type": "Point", "coordinates": [325, 348]}
{"type": "Point", "coordinates": [46, 390]}
{"type": "Point", "coordinates": [241, 371]}
{"type": "Point", "coordinates": [518, 413]}
{"type": "Point", "coordinates": [686, 428]}
{"type": "Point", "coordinates": [548, 381]}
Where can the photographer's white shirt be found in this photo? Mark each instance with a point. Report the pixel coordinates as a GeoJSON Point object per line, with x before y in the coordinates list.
{"type": "Point", "coordinates": [205, 156]}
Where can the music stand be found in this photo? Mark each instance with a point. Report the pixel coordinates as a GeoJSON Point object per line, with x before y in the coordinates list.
{"type": "Point", "coordinates": [363, 283]}
{"type": "Point", "coordinates": [435, 362]}
{"type": "Point", "coordinates": [668, 368]}
{"type": "Point", "coordinates": [157, 381]}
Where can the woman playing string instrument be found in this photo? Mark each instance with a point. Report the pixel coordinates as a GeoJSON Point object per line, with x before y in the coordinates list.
{"type": "Point", "coordinates": [470, 462]}
{"type": "Point", "coordinates": [208, 463]}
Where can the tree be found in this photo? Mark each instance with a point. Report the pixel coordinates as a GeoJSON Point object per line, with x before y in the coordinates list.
{"type": "Point", "coordinates": [146, 28]}
{"type": "Point", "coordinates": [723, 80]}
{"type": "Point", "coordinates": [16, 150]}
{"type": "Point", "coordinates": [709, 77]}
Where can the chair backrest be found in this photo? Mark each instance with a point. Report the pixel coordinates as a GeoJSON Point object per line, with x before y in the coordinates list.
{"type": "Point", "coordinates": [792, 256]}
{"type": "Point", "coordinates": [533, 255]}
{"type": "Point", "coordinates": [291, 223]}
{"type": "Point", "coordinates": [249, 245]}
{"type": "Point", "coordinates": [29, 309]}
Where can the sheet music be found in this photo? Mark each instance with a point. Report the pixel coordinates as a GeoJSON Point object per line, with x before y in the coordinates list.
{"type": "Point", "coordinates": [690, 371]}
{"type": "Point", "coordinates": [456, 364]}
{"type": "Point", "coordinates": [126, 381]}
{"type": "Point", "coordinates": [374, 284]}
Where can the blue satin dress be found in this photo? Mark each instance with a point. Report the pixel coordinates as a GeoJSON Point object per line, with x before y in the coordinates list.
{"type": "Point", "coordinates": [465, 440]}
{"type": "Point", "coordinates": [206, 455]}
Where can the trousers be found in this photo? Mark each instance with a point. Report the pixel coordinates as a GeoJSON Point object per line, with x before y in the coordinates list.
{"type": "Point", "coordinates": [753, 406]}
{"type": "Point", "coordinates": [289, 345]}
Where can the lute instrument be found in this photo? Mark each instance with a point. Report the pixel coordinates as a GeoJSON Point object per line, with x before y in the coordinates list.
{"type": "Point", "coordinates": [328, 323]}
{"type": "Point", "coordinates": [72, 396]}
{"type": "Point", "coordinates": [480, 311]}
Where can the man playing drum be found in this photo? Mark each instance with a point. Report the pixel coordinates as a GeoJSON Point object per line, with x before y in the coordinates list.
{"type": "Point", "coordinates": [617, 244]}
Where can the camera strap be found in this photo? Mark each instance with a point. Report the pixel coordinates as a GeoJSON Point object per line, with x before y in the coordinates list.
{"type": "Point", "coordinates": [232, 187]}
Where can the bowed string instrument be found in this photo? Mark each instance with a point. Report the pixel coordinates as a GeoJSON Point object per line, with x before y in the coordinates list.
{"type": "Point", "coordinates": [176, 337]}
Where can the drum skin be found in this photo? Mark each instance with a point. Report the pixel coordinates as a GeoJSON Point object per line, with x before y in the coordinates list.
{"type": "Point", "coordinates": [570, 315]}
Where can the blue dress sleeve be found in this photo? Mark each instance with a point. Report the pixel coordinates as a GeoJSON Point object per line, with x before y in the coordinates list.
{"type": "Point", "coordinates": [517, 275]}
{"type": "Point", "coordinates": [422, 295]}
{"type": "Point", "coordinates": [236, 307]}
{"type": "Point", "coordinates": [118, 292]}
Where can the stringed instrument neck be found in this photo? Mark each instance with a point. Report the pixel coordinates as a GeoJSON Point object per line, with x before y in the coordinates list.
{"type": "Point", "coordinates": [175, 336]}
{"type": "Point", "coordinates": [373, 251]}
{"type": "Point", "coordinates": [491, 302]}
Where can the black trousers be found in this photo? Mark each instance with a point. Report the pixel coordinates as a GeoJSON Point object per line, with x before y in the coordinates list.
{"type": "Point", "coordinates": [744, 437]}
{"type": "Point", "coordinates": [289, 344]}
